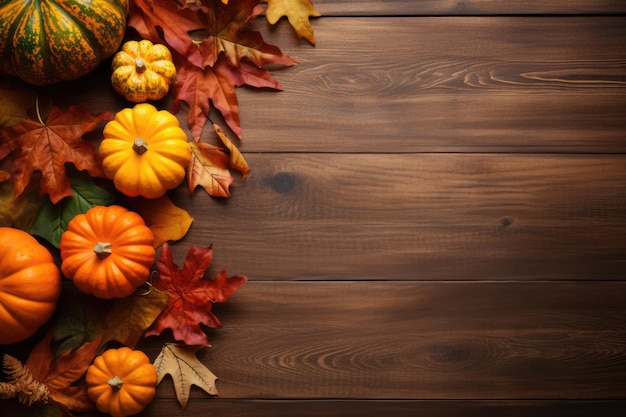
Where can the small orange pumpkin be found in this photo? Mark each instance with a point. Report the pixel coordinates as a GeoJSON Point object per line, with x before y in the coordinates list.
{"type": "Point", "coordinates": [30, 285]}
{"type": "Point", "coordinates": [142, 71]}
{"type": "Point", "coordinates": [121, 382]}
{"type": "Point", "coordinates": [107, 251]}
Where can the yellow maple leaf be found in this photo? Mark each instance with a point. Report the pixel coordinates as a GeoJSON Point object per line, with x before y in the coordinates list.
{"type": "Point", "coordinates": [297, 12]}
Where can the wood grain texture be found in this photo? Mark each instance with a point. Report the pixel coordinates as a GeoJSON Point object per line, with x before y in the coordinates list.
{"type": "Point", "coordinates": [419, 217]}
{"type": "Point", "coordinates": [529, 84]}
{"type": "Point", "coordinates": [466, 7]}
{"type": "Point", "coordinates": [409, 340]}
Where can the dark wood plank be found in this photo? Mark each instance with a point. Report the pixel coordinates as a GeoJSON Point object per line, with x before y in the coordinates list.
{"type": "Point", "coordinates": [418, 217]}
{"type": "Point", "coordinates": [409, 340]}
{"type": "Point", "coordinates": [468, 7]}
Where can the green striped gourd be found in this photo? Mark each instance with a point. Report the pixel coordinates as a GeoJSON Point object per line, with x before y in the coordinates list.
{"type": "Point", "coordinates": [47, 41]}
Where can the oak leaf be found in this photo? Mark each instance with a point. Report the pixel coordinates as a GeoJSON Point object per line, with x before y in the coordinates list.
{"type": "Point", "coordinates": [191, 295]}
{"type": "Point", "coordinates": [182, 364]}
{"type": "Point", "coordinates": [297, 12]}
{"type": "Point", "coordinates": [61, 375]}
{"type": "Point", "coordinates": [46, 148]}
{"type": "Point", "coordinates": [167, 221]}
{"type": "Point", "coordinates": [209, 169]}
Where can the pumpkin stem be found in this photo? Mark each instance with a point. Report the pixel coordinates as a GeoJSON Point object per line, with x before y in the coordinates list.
{"type": "Point", "coordinates": [115, 382]}
{"type": "Point", "coordinates": [140, 65]}
{"type": "Point", "coordinates": [140, 146]}
{"type": "Point", "coordinates": [103, 249]}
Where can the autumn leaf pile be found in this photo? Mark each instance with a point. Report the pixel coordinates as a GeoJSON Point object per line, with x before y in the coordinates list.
{"type": "Point", "coordinates": [50, 171]}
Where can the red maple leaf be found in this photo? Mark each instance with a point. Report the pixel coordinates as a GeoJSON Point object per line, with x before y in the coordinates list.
{"type": "Point", "coordinates": [191, 295]}
{"type": "Point", "coordinates": [47, 147]}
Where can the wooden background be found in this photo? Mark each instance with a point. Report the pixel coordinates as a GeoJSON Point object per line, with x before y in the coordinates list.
{"type": "Point", "coordinates": [435, 222]}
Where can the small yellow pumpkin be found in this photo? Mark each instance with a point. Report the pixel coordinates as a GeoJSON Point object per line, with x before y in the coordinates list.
{"type": "Point", "coordinates": [144, 151]}
{"type": "Point", "coordinates": [107, 251]}
{"type": "Point", "coordinates": [121, 381]}
{"type": "Point", "coordinates": [142, 71]}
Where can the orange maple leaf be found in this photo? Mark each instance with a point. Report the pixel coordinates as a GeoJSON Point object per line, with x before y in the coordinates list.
{"type": "Point", "coordinates": [199, 87]}
{"type": "Point", "coordinates": [47, 147]}
{"type": "Point", "coordinates": [60, 374]}
{"type": "Point", "coordinates": [297, 12]}
{"type": "Point", "coordinates": [209, 169]}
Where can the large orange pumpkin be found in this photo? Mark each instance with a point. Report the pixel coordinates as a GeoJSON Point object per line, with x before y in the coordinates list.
{"type": "Point", "coordinates": [107, 251]}
{"type": "Point", "coordinates": [30, 285]}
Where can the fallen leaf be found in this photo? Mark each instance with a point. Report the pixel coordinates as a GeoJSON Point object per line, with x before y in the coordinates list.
{"type": "Point", "coordinates": [182, 364]}
{"type": "Point", "coordinates": [21, 212]}
{"type": "Point", "coordinates": [198, 88]}
{"type": "Point", "coordinates": [227, 32]}
{"type": "Point", "coordinates": [236, 159]}
{"type": "Point", "coordinates": [209, 169]}
{"type": "Point", "coordinates": [16, 98]}
{"type": "Point", "coordinates": [297, 12]}
{"type": "Point", "coordinates": [167, 221]}
{"type": "Point", "coordinates": [129, 317]}
{"type": "Point", "coordinates": [46, 148]}
{"type": "Point", "coordinates": [191, 296]}
{"type": "Point", "coordinates": [61, 375]}
{"type": "Point", "coordinates": [86, 193]}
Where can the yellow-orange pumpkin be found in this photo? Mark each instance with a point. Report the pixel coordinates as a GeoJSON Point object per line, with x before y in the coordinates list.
{"type": "Point", "coordinates": [30, 285]}
{"type": "Point", "coordinates": [121, 381]}
{"type": "Point", "coordinates": [145, 151]}
{"type": "Point", "coordinates": [107, 251]}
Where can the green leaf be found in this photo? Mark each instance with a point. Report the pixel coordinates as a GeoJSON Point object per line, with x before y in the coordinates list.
{"type": "Point", "coordinates": [78, 319]}
{"type": "Point", "coordinates": [53, 218]}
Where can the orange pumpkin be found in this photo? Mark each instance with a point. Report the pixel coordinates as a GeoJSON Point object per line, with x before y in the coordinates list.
{"type": "Point", "coordinates": [121, 381]}
{"type": "Point", "coordinates": [30, 285]}
{"type": "Point", "coordinates": [107, 251]}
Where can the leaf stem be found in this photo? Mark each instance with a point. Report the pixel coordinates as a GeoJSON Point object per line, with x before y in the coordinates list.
{"type": "Point", "coordinates": [37, 109]}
